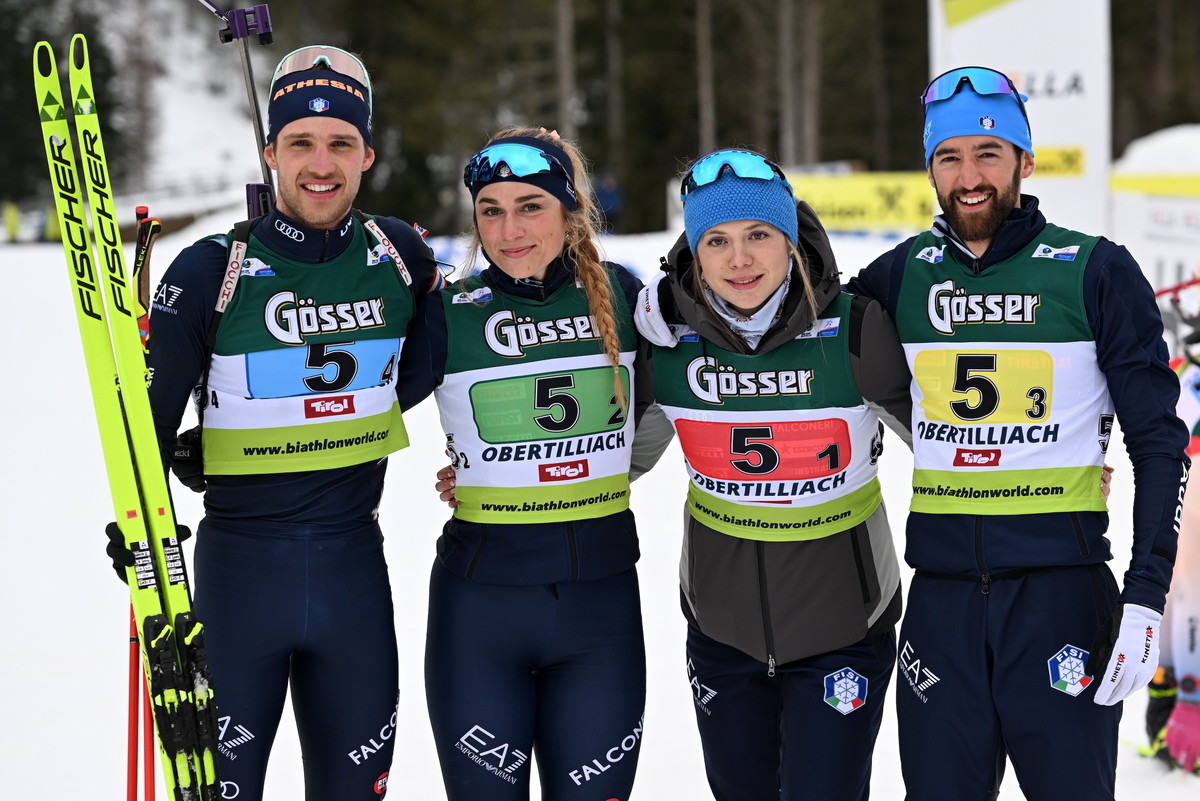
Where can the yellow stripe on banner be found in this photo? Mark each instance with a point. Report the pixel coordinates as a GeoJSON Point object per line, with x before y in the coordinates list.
{"type": "Point", "coordinates": [1060, 162]}
{"type": "Point", "coordinates": [869, 201]}
{"type": "Point", "coordinates": [960, 11]}
{"type": "Point", "coordinates": [1159, 184]}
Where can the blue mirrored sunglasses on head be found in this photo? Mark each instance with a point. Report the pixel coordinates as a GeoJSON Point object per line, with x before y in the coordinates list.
{"type": "Point", "coordinates": [324, 57]}
{"type": "Point", "coordinates": [507, 160]}
{"type": "Point", "coordinates": [743, 163]}
{"type": "Point", "coordinates": [983, 81]}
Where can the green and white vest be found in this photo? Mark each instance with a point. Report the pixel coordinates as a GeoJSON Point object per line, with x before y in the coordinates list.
{"type": "Point", "coordinates": [532, 421]}
{"type": "Point", "coordinates": [1011, 414]}
{"type": "Point", "coordinates": [780, 446]}
{"type": "Point", "coordinates": [303, 369]}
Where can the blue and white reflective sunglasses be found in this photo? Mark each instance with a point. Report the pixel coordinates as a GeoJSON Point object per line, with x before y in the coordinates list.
{"type": "Point", "coordinates": [510, 159]}
{"type": "Point", "coordinates": [743, 163]}
{"type": "Point", "coordinates": [325, 57]}
{"type": "Point", "coordinates": [983, 80]}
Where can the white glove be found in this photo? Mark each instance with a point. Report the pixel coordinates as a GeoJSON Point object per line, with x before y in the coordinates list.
{"type": "Point", "coordinates": [1127, 647]}
{"type": "Point", "coordinates": [648, 315]}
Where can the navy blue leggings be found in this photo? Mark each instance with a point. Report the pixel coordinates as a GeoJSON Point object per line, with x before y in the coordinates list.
{"type": "Point", "coordinates": [315, 611]}
{"type": "Point", "coordinates": [985, 676]}
{"type": "Point", "coordinates": [807, 732]}
{"type": "Point", "coordinates": [553, 670]}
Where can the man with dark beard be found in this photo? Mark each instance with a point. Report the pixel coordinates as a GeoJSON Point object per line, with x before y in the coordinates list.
{"type": "Point", "coordinates": [1025, 341]}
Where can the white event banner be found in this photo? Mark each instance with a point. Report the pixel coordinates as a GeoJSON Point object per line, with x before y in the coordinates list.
{"type": "Point", "coordinates": [1058, 53]}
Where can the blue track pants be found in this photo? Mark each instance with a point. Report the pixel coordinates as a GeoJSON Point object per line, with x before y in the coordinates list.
{"type": "Point", "coordinates": [984, 676]}
{"type": "Point", "coordinates": [557, 672]}
{"type": "Point", "coordinates": [315, 613]}
{"type": "Point", "coordinates": [807, 732]}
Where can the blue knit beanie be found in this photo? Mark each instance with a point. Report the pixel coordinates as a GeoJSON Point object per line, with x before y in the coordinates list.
{"type": "Point", "coordinates": [732, 197]}
{"type": "Point", "coordinates": [966, 113]}
{"type": "Point", "coordinates": [318, 93]}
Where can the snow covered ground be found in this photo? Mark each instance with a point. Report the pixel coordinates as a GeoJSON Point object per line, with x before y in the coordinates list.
{"type": "Point", "coordinates": [63, 615]}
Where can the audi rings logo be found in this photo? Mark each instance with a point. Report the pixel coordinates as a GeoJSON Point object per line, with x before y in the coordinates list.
{"type": "Point", "coordinates": [288, 231]}
{"type": "Point", "coordinates": [230, 790]}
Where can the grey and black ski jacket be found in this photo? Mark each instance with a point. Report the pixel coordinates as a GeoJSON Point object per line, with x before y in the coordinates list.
{"type": "Point", "coordinates": [782, 599]}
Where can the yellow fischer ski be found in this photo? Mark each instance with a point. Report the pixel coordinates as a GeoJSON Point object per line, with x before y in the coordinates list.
{"type": "Point", "coordinates": [106, 306]}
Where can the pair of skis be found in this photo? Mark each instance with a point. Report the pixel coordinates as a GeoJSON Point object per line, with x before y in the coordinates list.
{"type": "Point", "coordinates": [108, 305]}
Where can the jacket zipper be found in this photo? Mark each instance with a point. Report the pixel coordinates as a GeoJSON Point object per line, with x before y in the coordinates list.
{"type": "Point", "coordinates": [859, 564]}
{"type": "Point", "coordinates": [1079, 538]}
{"type": "Point", "coordinates": [571, 545]}
{"type": "Point", "coordinates": [483, 538]}
{"type": "Point", "coordinates": [325, 246]}
{"type": "Point", "coordinates": [768, 634]}
{"type": "Point", "coordinates": [984, 578]}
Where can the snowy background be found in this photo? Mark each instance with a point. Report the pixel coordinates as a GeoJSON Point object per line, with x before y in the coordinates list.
{"type": "Point", "coordinates": [64, 616]}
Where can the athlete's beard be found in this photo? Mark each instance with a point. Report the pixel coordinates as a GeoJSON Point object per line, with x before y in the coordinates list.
{"type": "Point", "coordinates": [982, 227]}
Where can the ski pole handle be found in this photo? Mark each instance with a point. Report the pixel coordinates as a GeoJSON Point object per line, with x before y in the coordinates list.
{"type": "Point", "coordinates": [148, 229]}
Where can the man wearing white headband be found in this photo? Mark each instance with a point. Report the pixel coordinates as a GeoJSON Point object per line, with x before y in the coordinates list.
{"type": "Point", "coordinates": [296, 389]}
{"type": "Point", "coordinates": [1026, 342]}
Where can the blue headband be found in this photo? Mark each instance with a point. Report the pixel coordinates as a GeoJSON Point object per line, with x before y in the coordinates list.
{"type": "Point", "coordinates": [318, 93]}
{"type": "Point", "coordinates": [967, 113]}
{"type": "Point", "coordinates": [731, 197]}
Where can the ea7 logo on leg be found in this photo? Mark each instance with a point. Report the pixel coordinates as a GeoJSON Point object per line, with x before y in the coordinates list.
{"type": "Point", "coordinates": [919, 678]}
{"type": "Point", "coordinates": [485, 750]}
{"type": "Point", "coordinates": [701, 693]}
{"type": "Point", "coordinates": [1067, 670]}
{"type": "Point", "coordinates": [845, 690]}
{"type": "Point", "coordinates": [229, 739]}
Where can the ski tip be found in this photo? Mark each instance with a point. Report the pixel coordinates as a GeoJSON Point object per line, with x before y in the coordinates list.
{"type": "Point", "coordinates": [43, 60]}
{"type": "Point", "coordinates": [79, 51]}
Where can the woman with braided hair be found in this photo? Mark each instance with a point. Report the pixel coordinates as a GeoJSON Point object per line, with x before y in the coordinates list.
{"type": "Point", "coordinates": [535, 636]}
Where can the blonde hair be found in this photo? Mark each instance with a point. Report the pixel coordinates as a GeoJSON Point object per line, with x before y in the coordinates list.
{"type": "Point", "coordinates": [582, 246]}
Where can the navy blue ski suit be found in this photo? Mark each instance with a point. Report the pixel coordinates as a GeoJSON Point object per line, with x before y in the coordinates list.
{"type": "Point", "coordinates": [1003, 607]}
{"type": "Point", "coordinates": [535, 633]}
{"type": "Point", "coordinates": [290, 577]}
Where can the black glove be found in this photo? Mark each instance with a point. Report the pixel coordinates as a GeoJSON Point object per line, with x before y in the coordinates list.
{"type": "Point", "coordinates": [121, 556]}
{"type": "Point", "coordinates": [187, 462]}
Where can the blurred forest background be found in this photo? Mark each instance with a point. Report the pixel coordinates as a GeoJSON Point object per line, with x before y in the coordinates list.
{"type": "Point", "coordinates": [643, 85]}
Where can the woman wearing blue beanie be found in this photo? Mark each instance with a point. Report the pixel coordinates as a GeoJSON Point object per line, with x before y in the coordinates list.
{"type": "Point", "coordinates": [776, 382]}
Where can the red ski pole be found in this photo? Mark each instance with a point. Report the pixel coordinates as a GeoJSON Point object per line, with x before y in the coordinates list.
{"type": "Point", "coordinates": [148, 761]}
{"type": "Point", "coordinates": [135, 684]}
{"type": "Point", "coordinates": [1175, 290]}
